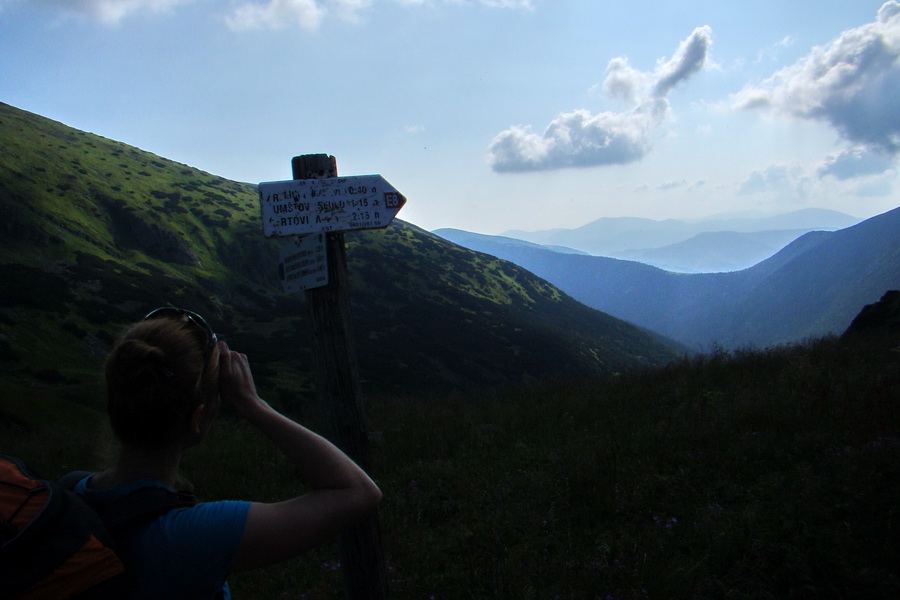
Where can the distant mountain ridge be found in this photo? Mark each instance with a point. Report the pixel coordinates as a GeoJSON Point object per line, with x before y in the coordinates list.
{"type": "Point", "coordinates": [616, 234]}
{"type": "Point", "coordinates": [714, 244]}
{"type": "Point", "coordinates": [715, 251]}
{"type": "Point", "coordinates": [96, 233]}
{"type": "Point", "coordinates": [814, 286]}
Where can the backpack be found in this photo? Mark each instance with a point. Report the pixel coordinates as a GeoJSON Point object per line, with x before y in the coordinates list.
{"type": "Point", "coordinates": [55, 546]}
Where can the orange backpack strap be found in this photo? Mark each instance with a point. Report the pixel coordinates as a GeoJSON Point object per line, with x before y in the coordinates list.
{"type": "Point", "coordinates": [53, 545]}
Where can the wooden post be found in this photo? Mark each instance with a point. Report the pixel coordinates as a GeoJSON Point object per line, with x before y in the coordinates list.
{"type": "Point", "coordinates": [340, 395]}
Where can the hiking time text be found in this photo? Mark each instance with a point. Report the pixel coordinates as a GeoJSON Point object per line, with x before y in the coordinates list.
{"type": "Point", "coordinates": [301, 206]}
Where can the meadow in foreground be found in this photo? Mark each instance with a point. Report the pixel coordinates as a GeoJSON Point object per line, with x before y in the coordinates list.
{"type": "Point", "coordinates": [764, 474]}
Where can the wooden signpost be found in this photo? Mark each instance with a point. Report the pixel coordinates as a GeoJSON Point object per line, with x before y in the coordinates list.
{"type": "Point", "coordinates": [317, 197]}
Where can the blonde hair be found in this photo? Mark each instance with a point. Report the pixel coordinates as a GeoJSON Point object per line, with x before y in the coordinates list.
{"type": "Point", "coordinates": [156, 374]}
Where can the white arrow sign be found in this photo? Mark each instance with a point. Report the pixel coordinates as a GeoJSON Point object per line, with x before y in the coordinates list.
{"type": "Point", "coordinates": [301, 206]}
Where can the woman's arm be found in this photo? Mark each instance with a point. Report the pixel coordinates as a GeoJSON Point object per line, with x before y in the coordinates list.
{"type": "Point", "coordinates": [341, 495]}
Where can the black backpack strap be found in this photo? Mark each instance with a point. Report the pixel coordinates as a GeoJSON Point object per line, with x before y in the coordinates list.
{"type": "Point", "coordinates": [70, 480]}
{"type": "Point", "coordinates": [140, 505]}
{"type": "Point", "coordinates": [143, 505]}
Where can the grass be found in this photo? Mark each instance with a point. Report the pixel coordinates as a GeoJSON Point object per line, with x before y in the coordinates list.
{"type": "Point", "coordinates": [770, 474]}
{"type": "Point", "coordinates": [756, 476]}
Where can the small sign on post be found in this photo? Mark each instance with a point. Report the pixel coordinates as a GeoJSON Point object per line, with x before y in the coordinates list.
{"type": "Point", "coordinates": [303, 263]}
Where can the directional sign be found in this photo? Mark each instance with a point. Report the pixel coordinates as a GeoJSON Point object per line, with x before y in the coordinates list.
{"type": "Point", "coordinates": [300, 206]}
{"type": "Point", "coordinates": [304, 263]}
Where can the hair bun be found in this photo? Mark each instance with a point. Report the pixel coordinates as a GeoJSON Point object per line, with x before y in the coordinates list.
{"type": "Point", "coordinates": [155, 374]}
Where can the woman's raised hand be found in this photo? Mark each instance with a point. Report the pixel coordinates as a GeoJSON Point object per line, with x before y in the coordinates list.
{"type": "Point", "coordinates": [236, 385]}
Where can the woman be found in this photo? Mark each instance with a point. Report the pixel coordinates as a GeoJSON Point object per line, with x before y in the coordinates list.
{"type": "Point", "coordinates": [165, 378]}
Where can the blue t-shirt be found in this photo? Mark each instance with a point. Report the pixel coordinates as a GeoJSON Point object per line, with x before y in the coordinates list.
{"type": "Point", "coordinates": [184, 554]}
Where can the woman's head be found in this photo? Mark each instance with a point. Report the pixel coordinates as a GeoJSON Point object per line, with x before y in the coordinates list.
{"type": "Point", "coordinates": [158, 372]}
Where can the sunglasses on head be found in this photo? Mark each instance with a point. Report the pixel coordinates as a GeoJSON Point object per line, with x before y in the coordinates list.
{"type": "Point", "coordinates": [170, 312]}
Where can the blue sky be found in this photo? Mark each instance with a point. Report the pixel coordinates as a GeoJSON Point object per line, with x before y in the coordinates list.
{"type": "Point", "coordinates": [490, 115]}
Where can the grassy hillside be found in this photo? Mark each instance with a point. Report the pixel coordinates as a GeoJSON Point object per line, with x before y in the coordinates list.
{"type": "Point", "coordinates": [96, 233]}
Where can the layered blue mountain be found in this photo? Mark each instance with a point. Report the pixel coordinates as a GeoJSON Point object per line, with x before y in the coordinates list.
{"type": "Point", "coordinates": [715, 251]}
{"type": "Point", "coordinates": [814, 286]}
{"type": "Point", "coordinates": [611, 236]}
{"type": "Point", "coordinates": [726, 242]}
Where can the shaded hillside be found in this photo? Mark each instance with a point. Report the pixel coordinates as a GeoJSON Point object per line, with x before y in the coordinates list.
{"type": "Point", "coordinates": [435, 308]}
{"type": "Point", "coordinates": [821, 289]}
{"type": "Point", "coordinates": [96, 232]}
{"type": "Point", "coordinates": [812, 287]}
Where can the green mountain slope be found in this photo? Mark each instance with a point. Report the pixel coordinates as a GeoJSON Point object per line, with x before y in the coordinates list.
{"type": "Point", "coordinates": [95, 233]}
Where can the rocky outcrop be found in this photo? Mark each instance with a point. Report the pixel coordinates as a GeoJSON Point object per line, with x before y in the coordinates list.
{"type": "Point", "coordinates": [884, 315]}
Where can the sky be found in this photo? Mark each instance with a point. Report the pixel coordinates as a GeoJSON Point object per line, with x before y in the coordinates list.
{"type": "Point", "coordinates": [490, 115]}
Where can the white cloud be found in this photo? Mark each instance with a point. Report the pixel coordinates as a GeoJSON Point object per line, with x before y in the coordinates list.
{"type": "Point", "coordinates": [623, 81]}
{"type": "Point", "coordinates": [582, 139]}
{"type": "Point", "coordinates": [309, 14]}
{"type": "Point", "coordinates": [579, 139]}
{"type": "Point", "coordinates": [853, 174]}
{"type": "Point", "coordinates": [276, 14]}
{"type": "Point", "coordinates": [853, 163]}
{"type": "Point", "coordinates": [853, 84]}
{"type": "Point", "coordinates": [521, 4]}
{"type": "Point", "coordinates": [509, 3]}
{"type": "Point", "coordinates": [111, 12]}
{"type": "Point", "coordinates": [250, 14]}
{"type": "Point", "coordinates": [877, 188]}
{"type": "Point", "coordinates": [671, 185]}
{"type": "Point", "coordinates": [689, 59]}
{"type": "Point", "coordinates": [785, 183]}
